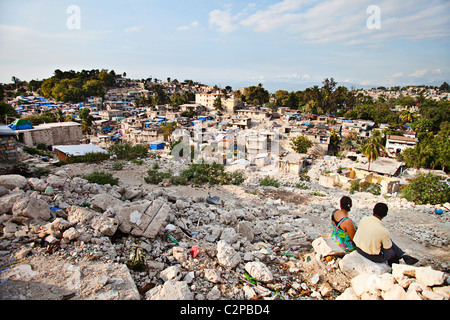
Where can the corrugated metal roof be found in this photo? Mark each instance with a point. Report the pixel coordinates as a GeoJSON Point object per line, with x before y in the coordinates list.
{"type": "Point", "coordinates": [79, 150]}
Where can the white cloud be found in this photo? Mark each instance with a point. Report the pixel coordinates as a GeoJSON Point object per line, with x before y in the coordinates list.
{"type": "Point", "coordinates": [342, 20]}
{"type": "Point", "coordinates": [133, 29]}
{"type": "Point", "coordinates": [223, 19]}
{"type": "Point", "coordinates": [427, 74]}
{"type": "Point", "coordinates": [191, 26]}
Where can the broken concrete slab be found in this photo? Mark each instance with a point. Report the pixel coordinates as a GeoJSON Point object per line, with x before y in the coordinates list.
{"type": "Point", "coordinates": [325, 246]}
{"type": "Point", "coordinates": [31, 207]}
{"type": "Point", "coordinates": [171, 290]}
{"type": "Point", "coordinates": [354, 264]}
{"type": "Point", "coordinates": [12, 181]}
{"type": "Point", "coordinates": [96, 221]}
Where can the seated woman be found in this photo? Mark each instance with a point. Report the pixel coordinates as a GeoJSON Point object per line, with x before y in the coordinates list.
{"type": "Point", "coordinates": [343, 227]}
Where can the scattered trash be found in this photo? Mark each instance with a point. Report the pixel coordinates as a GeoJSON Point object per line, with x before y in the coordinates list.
{"type": "Point", "coordinates": [187, 233]}
{"type": "Point", "coordinates": [438, 211]}
{"type": "Point", "coordinates": [213, 200]}
{"type": "Point", "coordinates": [194, 251]}
{"type": "Point", "coordinates": [172, 239]}
{"type": "Point", "coordinates": [170, 227]}
{"type": "Point", "coordinates": [49, 191]}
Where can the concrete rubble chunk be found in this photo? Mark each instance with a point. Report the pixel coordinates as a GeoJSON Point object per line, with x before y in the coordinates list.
{"type": "Point", "coordinates": [171, 273]}
{"type": "Point", "coordinates": [88, 280]}
{"type": "Point", "coordinates": [12, 181]}
{"type": "Point", "coordinates": [101, 223]}
{"type": "Point", "coordinates": [7, 201]}
{"type": "Point", "coordinates": [325, 246]}
{"type": "Point", "coordinates": [213, 275]}
{"type": "Point", "coordinates": [226, 255]}
{"type": "Point", "coordinates": [143, 218]}
{"type": "Point", "coordinates": [429, 277]}
{"type": "Point", "coordinates": [259, 271]}
{"type": "Point", "coordinates": [31, 207]}
{"type": "Point", "coordinates": [37, 184]}
{"type": "Point", "coordinates": [170, 290]}
{"type": "Point", "coordinates": [354, 264]}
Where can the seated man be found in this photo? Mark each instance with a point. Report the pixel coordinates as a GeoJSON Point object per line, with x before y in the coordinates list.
{"type": "Point", "coordinates": [373, 240]}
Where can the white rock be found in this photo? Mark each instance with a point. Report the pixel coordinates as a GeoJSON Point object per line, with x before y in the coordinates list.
{"type": "Point", "coordinates": [214, 294]}
{"type": "Point", "coordinates": [12, 181]}
{"type": "Point", "coordinates": [179, 254]}
{"type": "Point", "coordinates": [213, 275]}
{"type": "Point", "coordinates": [348, 294]}
{"type": "Point", "coordinates": [226, 255]}
{"type": "Point", "coordinates": [171, 273]}
{"type": "Point", "coordinates": [259, 271]}
{"type": "Point", "coordinates": [429, 294]}
{"type": "Point", "coordinates": [7, 201]}
{"type": "Point", "coordinates": [249, 293]}
{"type": "Point", "coordinates": [365, 282]}
{"type": "Point", "coordinates": [395, 293]}
{"type": "Point", "coordinates": [354, 264]}
{"type": "Point", "coordinates": [326, 247]}
{"type": "Point", "coordinates": [229, 235]}
{"type": "Point", "coordinates": [32, 208]}
{"type": "Point", "coordinates": [37, 184]}
{"type": "Point", "coordinates": [429, 277]}
{"type": "Point", "coordinates": [71, 234]}
{"type": "Point", "coordinates": [171, 290]}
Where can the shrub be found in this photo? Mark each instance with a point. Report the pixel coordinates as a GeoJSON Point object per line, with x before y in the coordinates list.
{"type": "Point", "coordinates": [128, 151]}
{"type": "Point", "coordinates": [197, 174]}
{"type": "Point", "coordinates": [427, 189]}
{"type": "Point", "coordinates": [102, 178]}
{"type": "Point", "coordinates": [118, 165]}
{"type": "Point", "coordinates": [269, 182]}
{"type": "Point", "coordinates": [37, 151]}
{"type": "Point", "coordinates": [39, 172]}
{"type": "Point", "coordinates": [304, 176]}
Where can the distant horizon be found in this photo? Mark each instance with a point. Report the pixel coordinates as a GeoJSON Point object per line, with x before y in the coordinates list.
{"type": "Point", "coordinates": [283, 44]}
{"type": "Point", "coordinates": [272, 86]}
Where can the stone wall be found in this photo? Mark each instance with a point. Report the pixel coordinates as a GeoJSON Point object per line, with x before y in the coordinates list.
{"type": "Point", "coordinates": [8, 149]}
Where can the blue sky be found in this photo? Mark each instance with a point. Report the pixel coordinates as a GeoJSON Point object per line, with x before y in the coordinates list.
{"type": "Point", "coordinates": [284, 44]}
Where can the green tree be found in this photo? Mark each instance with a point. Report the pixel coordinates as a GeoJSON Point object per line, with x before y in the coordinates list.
{"type": "Point", "coordinates": [6, 111]}
{"type": "Point", "coordinates": [427, 188]}
{"type": "Point", "coordinates": [176, 100]}
{"type": "Point", "coordinates": [86, 119]}
{"type": "Point", "coordinates": [301, 144]}
{"type": "Point", "coordinates": [94, 88]}
{"type": "Point", "coordinates": [256, 95]}
{"type": "Point", "coordinates": [218, 104]}
{"type": "Point", "coordinates": [372, 146]}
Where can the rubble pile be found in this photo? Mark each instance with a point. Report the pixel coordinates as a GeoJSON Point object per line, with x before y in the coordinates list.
{"type": "Point", "coordinates": [65, 238]}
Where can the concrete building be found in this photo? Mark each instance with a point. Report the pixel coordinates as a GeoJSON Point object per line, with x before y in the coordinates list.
{"type": "Point", "coordinates": [229, 104]}
{"type": "Point", "coordinates": [397, 144]}
{"type": "Point", "coordinates": [61, 133]}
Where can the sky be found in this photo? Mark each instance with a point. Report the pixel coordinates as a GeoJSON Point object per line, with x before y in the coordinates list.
{"type": "Point", "coordinates": [283, 44]}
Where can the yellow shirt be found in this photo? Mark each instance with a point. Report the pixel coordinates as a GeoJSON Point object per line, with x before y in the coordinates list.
{"type": "Point", "coordinates": [371, 236]}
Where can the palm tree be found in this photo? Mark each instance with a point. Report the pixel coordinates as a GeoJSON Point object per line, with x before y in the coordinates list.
{"type": "Point", "coordinates": [372, 146]}
{"type": "Point", "coordinates": [407, 116]}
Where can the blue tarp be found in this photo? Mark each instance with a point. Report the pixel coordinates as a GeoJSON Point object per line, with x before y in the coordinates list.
{"type": "Point", "coordinates": [157, 145]}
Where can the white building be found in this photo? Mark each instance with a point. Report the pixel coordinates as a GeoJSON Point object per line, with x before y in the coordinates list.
{"type": "Point", "coordinates": [397, 144]}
